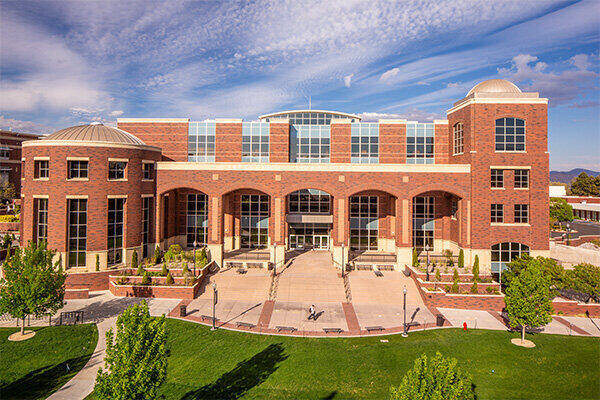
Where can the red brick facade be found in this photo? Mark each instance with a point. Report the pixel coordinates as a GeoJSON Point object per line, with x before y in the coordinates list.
{"type": "Point", "coordinates": [11, 141]}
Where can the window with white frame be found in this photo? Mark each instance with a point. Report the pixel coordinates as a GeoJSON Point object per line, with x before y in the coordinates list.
{"type": "Point", "coordinates": [521, 178]}
{"type": "Point", "coordinates": [255, 142]}
{"type": "Point", "coordinates": [522, 213]}
{"type": "Point", "coordinates": [77, 232]}
{"type": "Point", "coordinates": [364, 222]}
{"type": "Point", "coordinates": [254, 222]}
{"type": "Point", "coordinates": [458, 139]}
{"type": "Point", "coordinates": [41, 220]}
{"type": "Point", "coordinates": [201, 141]}
{"type": "Point", "coordinates": [116, 170]}
{"type": "Point", "coordinates": [423, 221]}
{"type": "Point", "coordinates": [77, 169]}
{"type": "Point", "coordinates": [497, 213]}
{"type": "Point", "coordinates": [510, 134]}
{"type": "Point", "coordinates": [41, 169]}
{"type": "Point", "coordinates": [148, 171]}
{"type": "Point", "coordinates": [116, 213]}
{"type": "Point", "coordinates": [310, 143]}
{"type": "Point", "coordinates": [5, 174]}
{"type": "Point", "coordinates": [4, 153]}
{"type": "Point", "coordinates": [420, 143]}
{"type": "Point", "coordinates": [196, 219]}
{"type": "Point", "coordinates": [311, 201]}
{"type": "Point", "coordinates": [503, 253]}
{"type": "Point", "coordinates": [146, 224]}
{"type": "Point", "coordinates": [497, 178]}
{"type": "Point", "coordinates": [364, 143]}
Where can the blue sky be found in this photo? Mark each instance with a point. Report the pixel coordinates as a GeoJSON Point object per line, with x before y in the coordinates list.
{"type": "Point", "coordinates": [67, 63]}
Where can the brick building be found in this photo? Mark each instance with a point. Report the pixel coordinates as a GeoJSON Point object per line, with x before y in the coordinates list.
{"type": "Point", "coordinates": [10, 157]}
{"type": "Point", "coordinates": [477, 181]}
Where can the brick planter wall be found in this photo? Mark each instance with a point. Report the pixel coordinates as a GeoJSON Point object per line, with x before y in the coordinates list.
{"type": "Point", "coordinates": [163, 292]}
{"type": "Point", "coordinates": [446, 277]}
{"type": "Point", "coordinates": [161, 280]}
{"type": "Point", "coordinates": [92, 280]}
{"type": "Point", "coordinates": [9, 226]}
{"type": "Point", "coordinates": [82, 293]}
{"type": "Point", "coordinates": [174, 271]}
{"type": "Point", "coordinates": [570, 307]}
{"type": "Point", "coordinates": [463, 286]}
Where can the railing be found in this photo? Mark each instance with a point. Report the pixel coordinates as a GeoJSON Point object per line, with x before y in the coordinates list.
{"type": "Point", "coordinates": [250, 255]}
{"type": "Point", "coordinates": [382, 258]}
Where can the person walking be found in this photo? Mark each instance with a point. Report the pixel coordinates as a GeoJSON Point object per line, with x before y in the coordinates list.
{"type": "Point", "coordinates": [311, 312]}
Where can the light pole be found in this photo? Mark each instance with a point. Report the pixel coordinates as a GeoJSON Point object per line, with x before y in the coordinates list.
{"type": "Point", "coordinates": [427, 248]}
{"type": "Point", "coordinates": [568, 234]}
{"type": "Point", "coordinates": [404, 334]}
{"type": "Point", "coordinates": [343, 260]}
{"type": "Point", "coordinates": [275, 260]}
{"type": "Point", "coordinates": [214, 305]}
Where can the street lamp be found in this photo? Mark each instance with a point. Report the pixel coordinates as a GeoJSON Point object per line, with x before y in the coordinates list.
{"type": "Point", "coordinates": [343, 260]}
{"type": "Point", "coordinates": [214, 305]}
{"type": "Point", "coordinates": [405, 333]}
{"type": "Point", "coordinates": [427, 248]}
{"type": "Point", "coordinates": [568, 234]}
{"type": "Point", "coordinates": [195, 245]}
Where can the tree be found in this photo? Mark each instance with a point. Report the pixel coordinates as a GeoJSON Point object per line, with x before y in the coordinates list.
{"type": "Point", "coordinates": [415, 258]}
{"type": "Point", "coordinates": [164, 270]}
{"type": "Point", "coordinates": [140, 270]}
{"type": "Point", "coordinates": [136, 357]}
{"type": "Point", "coordinates": [134, 260]}
{"type": "Point", "coordinates": [32, 284]}
{"type": "Point", "coordinates": [550, 267]}
{"type": "Point", "coordinates": [146, 279]}
{"type": "Point", "coordinates": [461, 258]}
{"type": "Point", "coordinates": [529, 298]}
{"type": "Point", "coordinates": [476, 269]}
{"type": "Point", "coordinates": [560, 210]}
{"type": "Point", "coordinates": [7, 192]}
{"type": "Point", "coordinates": [585, 185]}
{"type": "Point", "coordinates": [97, 262]}
{"type": "Point", "coordinates": [474, 288]}
{"type": "Point", "coordinates": [156, 257]}
{"type": "Point", "coordinates": [584, 278]}
{"type": "Point", "coordinates": [170, 280]}
{"type": "Point", "coordinates": [434, 378]}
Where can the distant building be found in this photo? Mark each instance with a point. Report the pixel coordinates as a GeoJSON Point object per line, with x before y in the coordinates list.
{"type": "Point", "coordinates": [558, 191]}
{"type": "Point", "coordinates": [10, 157]}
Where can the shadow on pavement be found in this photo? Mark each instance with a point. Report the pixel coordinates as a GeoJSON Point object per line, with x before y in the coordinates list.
{"type": "Point", "coordinates": [245, 376]}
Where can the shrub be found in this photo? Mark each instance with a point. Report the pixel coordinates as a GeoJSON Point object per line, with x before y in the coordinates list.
{"type": "Point", "coordinates": [140, 270]}
{"type": "Point", "coordinates": [175, 251]}
{"type": "Point", "coordinates": [170, 279]}
{"type": "Point", "coordinates": [97, 262]}
{"type": "Point", "coordinates": [438, 276]}
{"type": "Point", "coordinates": [584, 278]}
{"type": "Point", "coordinates": [164, 271]}
{"type": "Point", "coordinates": [447, 289]}
{"type": "Point", "coordinates": [455, 276]}
{"type": "Point", "coordinates": [146, 279]}
{"type": "Point", "coordinates": [476, 269]}
{"type": "Point", "coordinates": [449, 257]}
{"type": "Point", "coordinates": [185, 270]}
{"type": "Point", "coordinates": [455, 288]}
{"type": "Point", "coordinates": [491, 290]}
{"type": "Point", "coordinates": [474, 288]}
{"type": "Point", "coordinates": [415, 258]}
{"type": "Point", "coordinates": [134, 260]}
{"type": "Point", "coordinates": [9, 218]}
{"type": "Point", "coordinates": [461, 258]}
{"type": "Point", "coordinates": [434, 378]}
{"type": "Point", "coordinates": [156, 258]}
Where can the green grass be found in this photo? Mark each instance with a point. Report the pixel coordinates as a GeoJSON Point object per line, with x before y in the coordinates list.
{"type": "Point", "coordinates": [231, 365]}
{"type": "Point", "coordinates": [37, 367]}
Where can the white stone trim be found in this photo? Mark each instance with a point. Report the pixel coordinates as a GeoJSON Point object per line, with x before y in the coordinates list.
{"type": "Point", "coordinates": [392, 121]}
{"type": "Point", "coordinates": [41, 179]}
{"type": "Point", "coordinates": [118, 160]}
{"type": "Point", "coordinates": [116, 196]}
{"type": "Point", "coordinates": [152, 120]}
{"type": "Point", "coordinates": [40, 196]}
{"type": "Point", "coordinates": [509, 224]}
{"type": "Point", "coordinates": [147, 195]}
{"type": "Point", "coordinates": [530, 100]}
{"type": "Point", "coordinates": [325, 167]}
{"type": "Point", "coordinates": [76, 143]}
{"type": "Point", "coordinates": [228, 120]}
{"type": "Point", "coordinates": [78, 159]}
{"type": "Point", "coordinates": [510, 166]}
{"type": "Point", "coordinates": [148, 162]}
{"type": "Point", "coordinates": [440, 122]}
{"type": "Point", "coordinates": [45, 158]}
{"type": "Point", "coordinates": [77, 196]}
{"type": "Point", "coordinates": [77, 179]}
{"type": "Point", "coordinates": [23, 159]}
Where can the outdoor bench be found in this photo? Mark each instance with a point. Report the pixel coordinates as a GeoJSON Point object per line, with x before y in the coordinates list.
{"type": "Point", "coordinates": [208, 318]}
{"type": "Point", "coordinates": [374, 328]}
{"type": "Point", "coordinates": [285, 328]}
{"type": "Point", "coordinates": [334, 330]}
{"type": "Point", "coordinates": [245, 324]}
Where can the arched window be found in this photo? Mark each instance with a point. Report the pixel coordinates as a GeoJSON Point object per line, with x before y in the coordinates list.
{"type": "Point", "coordinates": [510, 134]}
{"type": "Point", "coordinates": [503, 253]}
{"type": "Point", "coordinates": [309, 201]}
{"type": "Point", "coordinates": [459, 145]}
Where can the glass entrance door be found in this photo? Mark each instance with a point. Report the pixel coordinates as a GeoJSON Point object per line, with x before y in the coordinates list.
{"type": "Point", "coordinates": [321, 242]}
{"type": "Point", "coordinates": [296, 241]}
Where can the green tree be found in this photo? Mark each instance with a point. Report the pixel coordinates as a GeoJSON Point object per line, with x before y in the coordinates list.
{"type": "Point", "coordinates": [529, 298]}
{"type": "Point", "coordinates": [584, 278]}
{"type": "Point", "coordinates": [32, 284]}
{"type": "Point", "coordinates": [474, 288]}
{"type": "Point", "coordinates": [170, 279]}
{"type": "Point", "coordinates": [415, 258]}
{"type": "Point", "coordinates": [435, 378]}
{"type": "Point", "coordinates": [7, 192]}
{"type": "Point", "coordinates": [146, 279]}
{"type": "Point", "coordinates": [550, 267]}
{"type": "Point", "coordinates": [476, 269]}
{"type": "Point", "coordinates": [164, 270]}
{"type": "Point", "coordinates": [157, 256]}
{"type": "Point", "coordinates": [140, 270]}
{"type": "Point", "coordinates": [560, 211]}
{"type": "Point", "coordinates": [134, 260]}
{"type": "Point", "coordinates": [136, 357]}
{"type": "Point", "coordinates": [585, 185]}
{"type": "Point", "coordinates": [461, 258]}
{"type": "Point", "coordinates": [438, 276]}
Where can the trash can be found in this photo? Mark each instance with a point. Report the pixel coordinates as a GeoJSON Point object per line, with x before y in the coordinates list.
{"type": "Point", "coordinates": [439, 320]}
{"type": "Point", "coordinates": [182, 310]}
{"type": "Point", "coordinates": [406, 271]}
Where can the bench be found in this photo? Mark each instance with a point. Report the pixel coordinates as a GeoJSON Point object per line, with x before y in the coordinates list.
{"type": "Point", "coordinates": [332, 330]}
{"type": "Point", "coordinates": [285, 328]}
{"type": "Point", "coordinates": [378, 273]}
{"type": "Point", "coordinates": [208, 318]}
{"type": "Point", "coordinates": [245, 324]}
{"type": "Point", "coordinates": [374, 328]}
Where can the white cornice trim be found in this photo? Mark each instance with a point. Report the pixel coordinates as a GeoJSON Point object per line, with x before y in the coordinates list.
{"type": "Point", "coordinates": [510, 166]}
{"type": "Point", "coordinates": [476, 100]}
{"type": "Point", "coordinates": [391, 121]}
{"type": "Point", "coordinates": [297, 167]}
{"type": "Point", "coordinates": [75, 143]}
{"type": "Point", "coordinates": [229, 120]}
{"type": "Point", "coordinates": [152, 120]}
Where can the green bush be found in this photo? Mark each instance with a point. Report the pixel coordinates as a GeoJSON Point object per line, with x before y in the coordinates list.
{"type": "Point", "coordinates": [455, 288]}
{"type": "Point", "coordinates": [415, 258]}
{"type": "Point", "coordinates": [156, 258]}
{"type": "Point", "coordinates": [449, 258]}
{"type": "Point", "coordinates": [491, 290]}
{"type": "Point", "coordinates": [185, 269]}
{"type": "Point", "coordinates": [476, 269]}
{"type": "Point", "coordinates": [438, 276]}
{"type": "Point", "coordinates": [461, 258]}
{"type": "Point", "coordinates": [146, 279]}
{"type": "Point", "coordinates": [455, 276]}
{"type": "Point", "coordinates": [583, 278]}
{"type": "Point", "coordinates": [447, 289]}
{"type": "Point", "coordinates": [474, 288]}
{"type": "Point", "coordinates": [140, 270]}
{"type": "Point", "coordinates": [9, 218]}
{"type": "Point", "coordinates": [164, 271]}
{"type": "Point", "coordinates": [134, 260]}
{"type": "Point", "coordinates": [170, 279]}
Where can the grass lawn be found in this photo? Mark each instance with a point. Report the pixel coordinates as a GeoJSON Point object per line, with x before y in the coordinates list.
{"type": "Point", "coordinates": [35, 368]}
{"type": "Point", "coordinates": [231, 365]}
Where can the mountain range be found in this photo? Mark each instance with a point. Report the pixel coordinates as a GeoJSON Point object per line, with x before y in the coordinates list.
{"type": "Point", "coordinates": [567, 176]}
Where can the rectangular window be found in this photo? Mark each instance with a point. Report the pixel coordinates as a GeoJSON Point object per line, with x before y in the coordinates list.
{"type": "Point", "coordinates": [78, 169]}
{"type": "Point", "coordinates": [497, 213]}
{"type": "Point", "coordinates": [420, 143]}
{"type": "Point", "coordinates": [148, 171]}
{"type": "Point", "coordinates": [364, 143]}
{"type": "Point", "coordinates": [116, 170]}
{"type": "Point", "coordinates": [423, 222]}
{"type": "Point", "coordinates": [115, 231]}
{"type": "Point", "coordinates": [201, 141]}
{"type": "Point", "coordinates": [77, 232]}
{"type": "Point", "coordinates": [497, 178]}
{"type": "Point", "coordinates": [196, 219]}
{"type": "Point", "coordinates": [254, 222]}
{"type": "Point", "coordinates": [41, 169]}
{"type": "Point", "coordinates": [146, 224]}
{"type": "Point", "coordinates": [5, 174]}
{"type": "Point", "coordinates": [453, 208]}
{"type": "Point", "coordinates": [41, 220]}
{"type": "Point", "coordinates": [311, 201]}
{"type": "Point", "coordinates": [4, 153]}
{"type": "Point", "coordinates": [364, 222]}
{"type": "Point", "coordinates": [522, 213]}
{"type": "Point", "coordinates": [522, 178]}
{"type": "Point", "coordinates": [510, 134]}
{"type": "Point", "coordinates": [310, 143]}
{"type": "Point", "coordinates": [255, 142]}
{"type": "Point", "coordinates": [459, 146]}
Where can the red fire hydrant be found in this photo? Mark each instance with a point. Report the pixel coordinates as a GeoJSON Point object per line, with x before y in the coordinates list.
{"type": "Point", "coordinates": [464, 326]}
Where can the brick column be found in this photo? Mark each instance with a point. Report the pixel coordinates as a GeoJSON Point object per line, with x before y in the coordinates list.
{"type": "Point", "coordinates": [215, 228]}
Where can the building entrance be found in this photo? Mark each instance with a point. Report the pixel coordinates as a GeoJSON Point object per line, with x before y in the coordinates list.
{"type": "Point", "coordinates": [309, 236]}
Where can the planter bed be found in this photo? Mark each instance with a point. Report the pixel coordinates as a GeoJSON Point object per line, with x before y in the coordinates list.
{"type": "Point", "coordinates": [488, 302]}
{"type": "Point", "coordinates": [464, 287]}
{"type": "Point", "coordinates": [449, 277]}
{"type": "Point", "coordinates": [156, 291]}
{"type": "Point", "coordinates": [158, 280]}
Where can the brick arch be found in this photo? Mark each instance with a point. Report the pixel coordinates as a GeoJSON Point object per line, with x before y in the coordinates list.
{"type": "Point", "coordinates": [287, 192]}
{"type": "Point", "coordinates": [246, 187]}
{"type": "Point", "coordinates": [380, 187]}
{"type": "Point", "coordinates": [371, 189]}
{"type": "Point", "coordinates": [186, 187]}
{"type": "Point", "coordinates": [435, 187]}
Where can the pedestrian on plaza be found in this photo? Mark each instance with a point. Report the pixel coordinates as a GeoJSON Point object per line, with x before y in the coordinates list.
{"type": "Point", "coordinates": [311, 312]}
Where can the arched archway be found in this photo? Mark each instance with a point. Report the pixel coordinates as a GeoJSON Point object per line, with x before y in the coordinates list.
{"type": "Point", "coordinates": [246, 219]}
{"type": "Point", "coordinates": [372, 221]}
{"type": "Point", "coordinates": [309, 219]}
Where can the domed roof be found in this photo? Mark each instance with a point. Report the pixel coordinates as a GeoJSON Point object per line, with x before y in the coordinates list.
{"type": "Point", "coordinates": [95, 132]}
{"type": "Point", "coordinates": [495, 86]}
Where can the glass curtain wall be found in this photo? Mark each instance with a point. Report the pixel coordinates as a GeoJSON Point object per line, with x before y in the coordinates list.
{"type": "Point", "coordinates": [364, 222]}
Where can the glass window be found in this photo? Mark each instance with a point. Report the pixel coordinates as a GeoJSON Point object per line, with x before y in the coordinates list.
{"type": "Point", "coordinates": [364, 143]}
{"type": "Point", "coordinates": [78, 169]}
{"type": "Point", "coordinates": [459, 145]}
{"type": "Point", "coordinates": [255, 142]}
{"type": "Point", "coordinates": [148, 171]}
{"type": "Point", "coordinates": [196, 219]}
{"type": "Point", "coordinates": [497, 213]}
{"type": "Point", "coordinates": [116, 170]}
{"type": "Point", "coordinates": [522, 213]}
{"type": "Point", "coordinates": [41, 221]}
{"type": "Point", "coordinates": [309, 201]}
{"type": "Point", "coordinates": [522, 178]}
{"type": "Point", "coordinates": [420, 143]}
{"type": "Point", "coordinates": [510, 134]}
{"type": "Point", "coordinates": [364, 222]}
{"type": "Point", "coordinates": [41, 169]}
{"type": "Point", "coordinates": [77, 233]}
{"type": "Point", "coordinates": [497, 178]}
{"type": "Point", "coordinates": [115, 231]}
{"type": "Point", "coordinates": [201, 141]}
{"type": "Point", "coordinates": [310, 143]}
{"type": "Point", "coordinates": [4, 153]}
{"type": "Point", "coordinates": [254, 222]}
{"type": "Point", "coordinates": [5, 174]}
{"type": "Point", "coordinates": [503, 253]}
{"type": "Point", "coordinates": [146, 224]}
{"type": "Point", "coordinates": [423, 221]}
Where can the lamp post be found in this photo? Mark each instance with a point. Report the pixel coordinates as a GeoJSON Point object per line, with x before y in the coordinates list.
{"type": "Point", "coordinates": [404, 334]}
{"type": "Point", "coordinates": [195, 245]}
{"type": "Point", "coordinates": [214, 305]}
{"type": "Point", "coordinates": [427, 248]}
{"type": "Point", "coordinates": [343, 260]}
{"type": "Point", "coordinates": [568, 234]}
{"type": "Point", "coordinates": [275, 260]}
